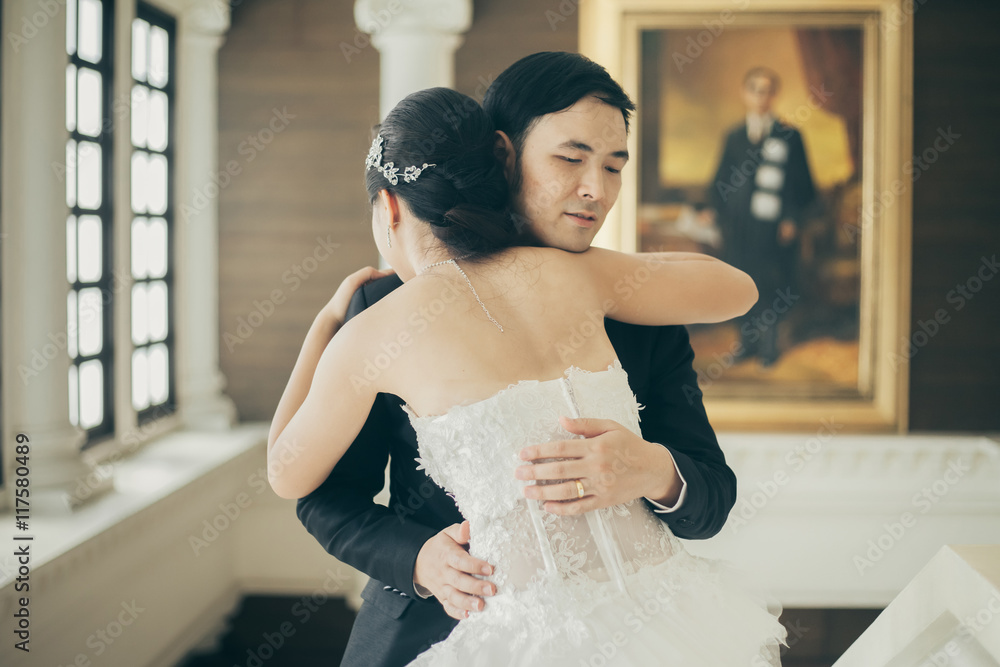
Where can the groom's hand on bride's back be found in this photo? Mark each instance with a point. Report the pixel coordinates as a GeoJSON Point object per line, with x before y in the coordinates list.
{"type": "Point", "coordinates": [605, 464]}
{"type": "Point", "coordinates": [445, 568]}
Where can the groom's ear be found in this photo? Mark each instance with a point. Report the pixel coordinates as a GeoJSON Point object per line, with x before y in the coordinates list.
{"type": "Point", "coordinates": [504, 151]}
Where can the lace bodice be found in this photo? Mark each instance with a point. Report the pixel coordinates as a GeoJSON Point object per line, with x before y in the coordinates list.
{"type": "Point", "coordinates": [472, 451]}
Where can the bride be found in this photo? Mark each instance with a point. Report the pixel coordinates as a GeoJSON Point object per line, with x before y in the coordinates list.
{"type": "Point", "coordinates": [467, 343]}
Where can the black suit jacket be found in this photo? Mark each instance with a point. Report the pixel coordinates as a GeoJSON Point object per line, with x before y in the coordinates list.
{"type": "Point", "coordinates": [383, 542]}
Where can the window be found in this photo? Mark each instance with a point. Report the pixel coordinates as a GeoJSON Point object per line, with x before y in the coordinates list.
{"type": "Point", "coordinates": [153, 36]}
{"type": "Point", "coordinates": [89, 42]}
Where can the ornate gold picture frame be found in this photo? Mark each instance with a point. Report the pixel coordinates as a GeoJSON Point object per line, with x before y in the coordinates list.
{"type": "Point", "coordinates": [824, 171]}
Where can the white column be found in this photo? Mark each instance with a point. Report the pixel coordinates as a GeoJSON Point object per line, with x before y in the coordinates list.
{"type": "Point", "coordinates": [34, 212]}
{"type": "Point", "coordinates": [200, 383]}
{"type": "Point", "coordinates": [416, 42]}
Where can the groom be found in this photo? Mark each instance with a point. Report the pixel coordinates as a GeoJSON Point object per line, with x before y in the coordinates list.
{"type": "Point", "coordinates": [563, 143]}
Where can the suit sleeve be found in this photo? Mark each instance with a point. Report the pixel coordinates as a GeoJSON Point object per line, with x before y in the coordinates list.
{"type": "Point", "coordinates": [674, 416]}
{"type": "Point", "coordinates": [345, 519]}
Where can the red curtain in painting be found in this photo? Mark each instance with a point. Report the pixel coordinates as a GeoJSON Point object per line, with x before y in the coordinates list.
{"type": "Point", "coordinates": [832, 61]}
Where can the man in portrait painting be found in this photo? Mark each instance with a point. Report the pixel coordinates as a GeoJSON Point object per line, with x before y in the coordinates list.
{"type": "Point", "coordinates": [760, 194]}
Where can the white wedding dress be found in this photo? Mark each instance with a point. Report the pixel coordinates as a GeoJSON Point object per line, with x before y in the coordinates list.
{"type": "Point", "coordinates": [610, 587]}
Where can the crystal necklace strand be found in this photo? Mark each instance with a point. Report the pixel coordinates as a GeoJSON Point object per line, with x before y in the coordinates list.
{"type": "Point", "coordinates": [469, 283]}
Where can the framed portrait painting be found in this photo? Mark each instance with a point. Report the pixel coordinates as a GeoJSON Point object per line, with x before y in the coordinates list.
{"type": "Point", "coordinates": [774, 136]}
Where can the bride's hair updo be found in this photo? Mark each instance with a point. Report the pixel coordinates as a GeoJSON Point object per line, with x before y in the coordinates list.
{"type": "Point", "coordinates": [464, 195]}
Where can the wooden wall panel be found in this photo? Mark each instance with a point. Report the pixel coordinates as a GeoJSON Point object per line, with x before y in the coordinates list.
{"type": "Point", "coordinates": [955, 374]}
{"type": "Point", "coordinates": [306, 184]}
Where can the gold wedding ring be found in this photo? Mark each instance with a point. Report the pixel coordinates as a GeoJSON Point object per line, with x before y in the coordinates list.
{"type": "Point", "coordinates": [579, 489]}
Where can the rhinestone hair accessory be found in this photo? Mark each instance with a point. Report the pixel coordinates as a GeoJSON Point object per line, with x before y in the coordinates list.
{"type": "Point", "coordinates": [389, 169]}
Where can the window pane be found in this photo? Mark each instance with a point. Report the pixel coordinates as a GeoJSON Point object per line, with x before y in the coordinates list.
{"type": "Point", "coordinates": [91, 320]}
{"type": "Point", "coordinates": [140, 47]}
{"type": "Point", "coordinates": [89, 175]}
{"type": "Point", "coordinates": [140, 315]}
{"type": "Point", "coordinates": [140, 115]}
{"type": "Point", "coordinates": [157, 120]}
{"type": "Point", "coordinates": [90, 30]}
{"type": "Point", "coordinates": [71, 97]}
{"type": "Point", "coordinates": [157, 56]}
{"type": "Point", "coordinates": [74, 395]}
{"type": "Point", "coordinates": [71, 249]}
{"type": "Point", "coordinates": [140, 379]}
{"type": "Point", "coordinates": [70, 174]}
{"type": "Point", "coordinates": [139, 182]}
{"type": "Point", "coordinates": [91, 393]}
{"type": "Point", "coordinates": [89, 102]}
{"type": "Point", "coordinates": [71, 326]}
{"type": "Point", "coordinates": [90, 248]}
{"type": "Point", "coordinates": [156, 248]}
{"type": "Point", "coordinates": [157, 307]}
{"type": "Point", "coordinates": [70, 27]}
{"type": "Point", "coordinates": [140, 248]}
{"type": "Point", "coordinates": [158, 373]}
{"type": "Point", "coordinates": [156, 179]}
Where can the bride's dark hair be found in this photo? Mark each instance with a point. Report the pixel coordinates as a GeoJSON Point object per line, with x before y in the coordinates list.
{"type": "Point", "coordinates": [464, 196]}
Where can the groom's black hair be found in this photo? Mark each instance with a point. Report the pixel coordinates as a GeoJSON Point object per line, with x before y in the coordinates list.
{"type": "Point", "coordinates": [544, 83]}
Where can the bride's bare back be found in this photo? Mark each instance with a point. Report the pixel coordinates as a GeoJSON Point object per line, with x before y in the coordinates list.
{"type": "Point", "coordinates": [431, 343]}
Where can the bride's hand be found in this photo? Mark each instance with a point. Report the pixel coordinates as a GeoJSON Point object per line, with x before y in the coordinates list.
{"type": "Point", "coordinates": [445, 568]}
{"type": "Point", "coordinates": [336, 307]}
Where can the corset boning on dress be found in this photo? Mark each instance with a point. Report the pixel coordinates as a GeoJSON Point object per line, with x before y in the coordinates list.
{"type": "Point", "coordinates": [472, 450]}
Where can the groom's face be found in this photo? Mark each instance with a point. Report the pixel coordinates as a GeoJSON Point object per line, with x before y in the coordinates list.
{"type": "Point", "coordinates": [568, 173]}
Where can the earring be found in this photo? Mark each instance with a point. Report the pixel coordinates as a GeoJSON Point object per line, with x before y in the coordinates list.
{"type": "Point", "coordinates": [388, 239]}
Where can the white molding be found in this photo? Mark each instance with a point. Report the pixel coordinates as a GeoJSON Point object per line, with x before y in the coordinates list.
{"type": "Point", "coordinates": [805, 534]}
